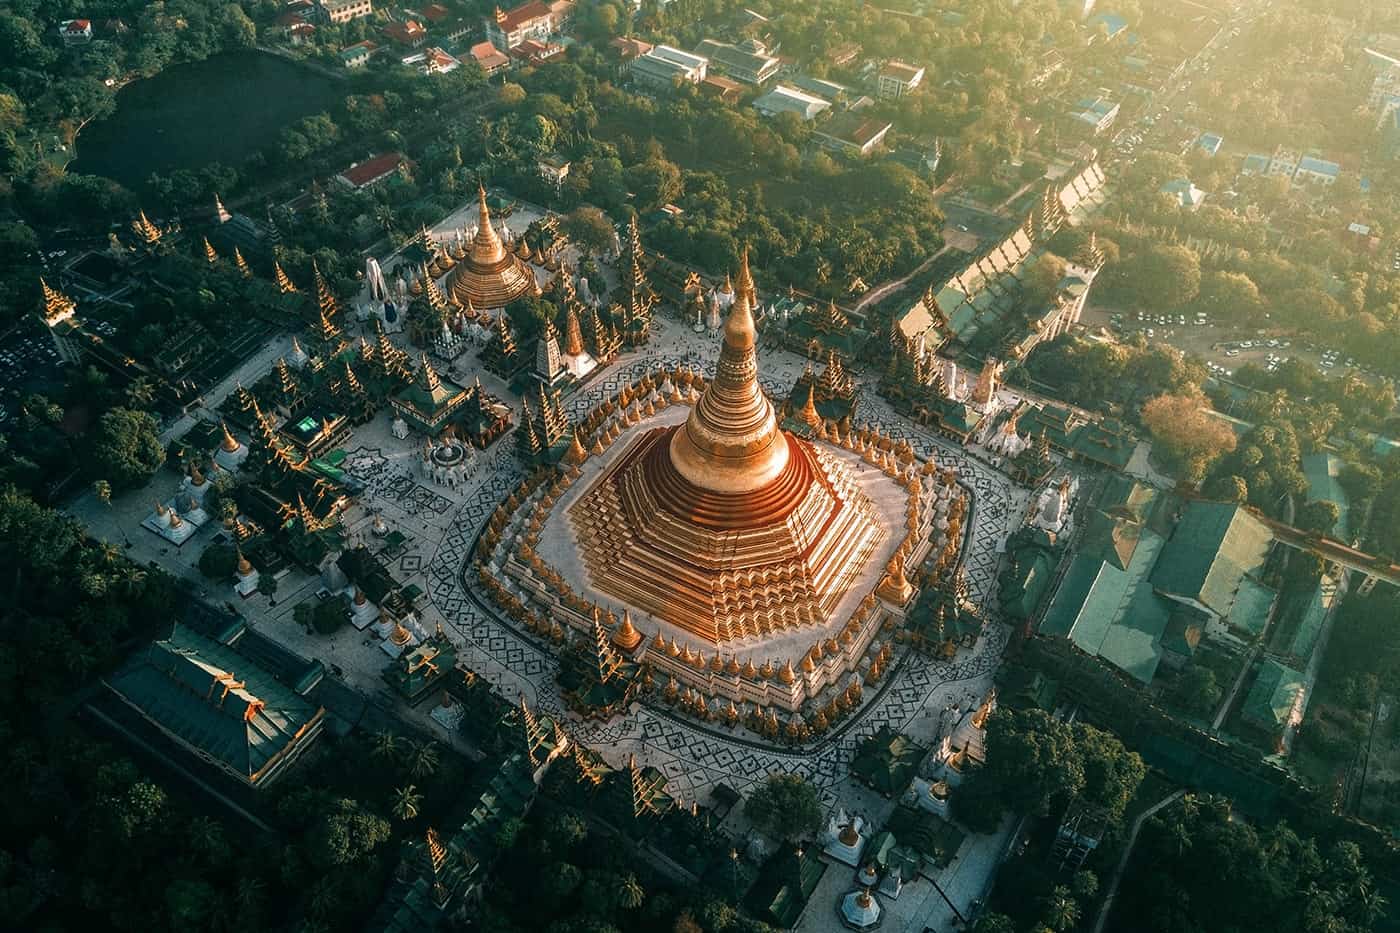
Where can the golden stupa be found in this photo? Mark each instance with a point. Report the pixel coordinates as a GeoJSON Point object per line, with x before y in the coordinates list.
{"type": "Point", "coordinates": [726, 525]}
{"type": "Point", "coordinates": [490, 276]}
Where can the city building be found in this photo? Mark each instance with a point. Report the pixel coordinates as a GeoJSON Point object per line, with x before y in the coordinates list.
{"type": "Point", "coordinates": [1284, 162]}
{"type": "Point", "coordinates": [537, 20]}
{"type": "Point", "coordinates": [372, 171]}
{"type": "Point", "coordinates": [489, 275]}
{"type": "Point", "coordinates": [899, 78]}
{"type": "Point", "coordinates": [217, 705]}
{"type": "Point", "coordinates": [1314, 171]}
{"type": "Point", "coordinates": [1210, 143]}
{"type": "Point", "coordinates": [853, 133]}
{"type": "Point", "coordinates": [75, 31]}
{"type": "Point", "coordinates": [662, 66]}
{"type": "Point", "coordinates": [749, 62]}
{"type": "Point", "coordinates": [343, 11]}
{"type": "Point", "coordinates": [1096, 113]}
{"type": "Point", "coordinates": [491, 59]}
{"type": "Point", "coordinates": [357, 55]}
{"type": "Point", "coordinates": [784, 99]}
{"type": "Point", "coordinates": [1186, 195]}
{"type": "Point", "coordinates": [408, 33]}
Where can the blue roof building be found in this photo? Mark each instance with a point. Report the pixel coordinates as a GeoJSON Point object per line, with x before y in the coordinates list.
{"type": "Point", "coordinates": [1255, 164]}
{"type": "Point", "coordinates": [1210, 143]}
{"type": "Point", "coordinates": [1316, 171]}
{"type": "Point", "coordinates": [1112, 23]}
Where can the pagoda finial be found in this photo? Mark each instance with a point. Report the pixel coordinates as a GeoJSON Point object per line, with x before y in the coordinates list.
{"type": "Point", "coordinates": [810, 415]}
{"type": "Point", "coordinates": [576, 454]}
{"type": "Point", "coordinates": [209, 255]}
{"type": "Point", "coordinates": [242, 264]}
{"type": "Point", "coordinates": [147, 231]}
{"type": "Point", "coordinates": [58, 307]}
{"type": "Point", "coordinates": [325, 298]}
{"type": "Point", "coordinates": [428, 378]}
{"type": "Point", "coordinates": [229, 442]}
{"type": "Point", "coordinates": [731, 440]}
{"type": "Point", "coordinates": [279, 275]}
{"type": "Point", "coordinates": [221, 213]}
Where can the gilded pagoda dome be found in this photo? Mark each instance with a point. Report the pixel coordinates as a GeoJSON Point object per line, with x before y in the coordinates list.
{"type": "Point", "coordinates": [490, 275]}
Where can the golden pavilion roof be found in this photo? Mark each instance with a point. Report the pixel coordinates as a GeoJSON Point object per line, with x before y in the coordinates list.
{"type": "Point", "coordinates": [490, 276]}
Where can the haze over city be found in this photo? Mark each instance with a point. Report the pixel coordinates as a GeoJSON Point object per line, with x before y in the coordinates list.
{"type": "Point", "coordinates": [699, 466]}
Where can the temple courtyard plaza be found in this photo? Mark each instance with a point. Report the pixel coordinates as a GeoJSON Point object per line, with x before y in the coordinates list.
{"type": "Point", "coordinates": [440, 525]}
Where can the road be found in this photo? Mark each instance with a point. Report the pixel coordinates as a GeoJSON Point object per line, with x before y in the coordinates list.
{"type": "Point", "coordinates": [1122, 865]}
{"type": "Point", "coordinates": [879, 292]}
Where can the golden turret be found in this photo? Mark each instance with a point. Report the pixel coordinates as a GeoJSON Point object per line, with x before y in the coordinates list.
{"type": "Point", "coordinates": [573, 334]}
{"type": "Point", "coordinates": [148, 232]}
{"type": "Point", "coordinates": [209, 255]}
{"type": "Point", "coordinates": [58, 307]}
{"type": "Point", "coordinates": [575, 454]}
{"type": "Point", "coordinates": [279, 275]}
{"type": "Point", "coordinates": [229, 443]}
{"type": "Point", "coordinates": [242, 264]}
{"type": "Point", "coordinates": [325, 298]}
{"type": "Point", "coordinates": [245, 567]}
{"type": "Point", "coordinates": [627, 637]}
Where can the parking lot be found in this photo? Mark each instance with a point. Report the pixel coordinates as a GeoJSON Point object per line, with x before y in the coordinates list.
{"type": "Point", "coordinates": [1223, 349]}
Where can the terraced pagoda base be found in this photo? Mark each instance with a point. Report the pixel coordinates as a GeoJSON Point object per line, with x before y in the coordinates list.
{"type": "Point", "coordinates": [888, 504]}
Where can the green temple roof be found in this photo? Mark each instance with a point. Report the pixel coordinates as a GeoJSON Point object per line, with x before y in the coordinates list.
{"type": "Point", "coordinates": [216, 701]}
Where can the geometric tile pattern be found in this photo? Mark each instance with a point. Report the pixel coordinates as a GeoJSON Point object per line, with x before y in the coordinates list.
{"type": "Point", "coordinates": [695, 757]}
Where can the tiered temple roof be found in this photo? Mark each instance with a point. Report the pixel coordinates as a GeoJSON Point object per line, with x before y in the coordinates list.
{"type": "Point", "coordinates": [636, 298]}
{"type": "Point", "coordinates": [597, 681]}
{"type": "Point", "coordinates": [430, 402]}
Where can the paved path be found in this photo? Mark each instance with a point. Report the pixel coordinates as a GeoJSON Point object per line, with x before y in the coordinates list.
{"type": "Point", "coordinates": [1122, 865]}
{"type": "Point", "coordinates": [880, 291]}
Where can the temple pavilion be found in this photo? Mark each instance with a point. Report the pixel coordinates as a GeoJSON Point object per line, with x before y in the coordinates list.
{"type": "Point", "coordinates": [726, 525]}
{"type": "Point", "coordinates": [490, 276]}
{"type": "Point", "coordinates": [430, 401]}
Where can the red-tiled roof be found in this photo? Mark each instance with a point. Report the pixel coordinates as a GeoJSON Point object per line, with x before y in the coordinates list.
{"type": "Point", "coordinates": [373, 169]}
{"type": "Point", "coordinates": [78, 25]}
{"type": "Point", "coordinates": [628, 47]}
{"type": "Point", "coordinates": [488, 56]}
{"type": "Point", "coordinates": [408, 32]}
{"type": "Point", "coordinates": [435, 12]}
{"type": "Point", "coordinates": [511, 20]}
{"type": "Point", "coordinates": [535, 51]}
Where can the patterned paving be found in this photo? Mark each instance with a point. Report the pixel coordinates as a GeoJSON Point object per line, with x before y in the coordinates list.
{"type": "Point", "coordinates": [693, 757]}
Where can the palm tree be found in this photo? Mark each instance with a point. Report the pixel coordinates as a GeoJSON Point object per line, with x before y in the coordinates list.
{"type": "Point", "coordinates": [1061, 909]}
{"type": "Point", "coordinates": [422, 759]}
{"type": "Point", "coordinates": [103, 490]}
{"type": "Point", "coordinates": [249, 896]}
{"type": "Point", "coordinates": [406, 802]}
{"type": "Point", "coordinates": [630, 893]}
{"type": "Point", "coordinates": [140, 393]}
{"type": "Point", "coordinates": [386, 745]}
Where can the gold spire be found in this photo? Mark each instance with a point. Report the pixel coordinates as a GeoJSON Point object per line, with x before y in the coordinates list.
{"type": "Point", "coordinates": [809, 414]}
{"type": "Point", "coordinates": [147, 231]}
{"type": "Point", "coordinates": [486, 247]}
{"type": "Point", "coordinates": [575, 454]}
{"type": "Point", "coordinates": [58, 307]}
{"type": "Point", "coordinates": [221, 213]}
{"type": "Point", "coordinates": [242, 264]}
{"type": "Point", "coordinates": [731, 441]}
{"type": "Point", "coordinates": [627, 637]}
{"type": "Point", "coordinates": [245, 567]}
{"type": "Point", "coordinates": [209, 253]}
{"type": "Point", "coordinates": [229, 443]}
{"type": "Point", "coordinates": [573, 334]}
{"type": "Point", "coordinates": [325, 298]}
{"type": "Point", "coordinates": [280, 276]}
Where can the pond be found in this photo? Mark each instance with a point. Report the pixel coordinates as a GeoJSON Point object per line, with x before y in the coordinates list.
{"type": "Point", "coordinates": [222, 109]}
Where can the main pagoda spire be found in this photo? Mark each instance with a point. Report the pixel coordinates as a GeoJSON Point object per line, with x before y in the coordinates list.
{"type": "Point", "coordinates": [731, 441]}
